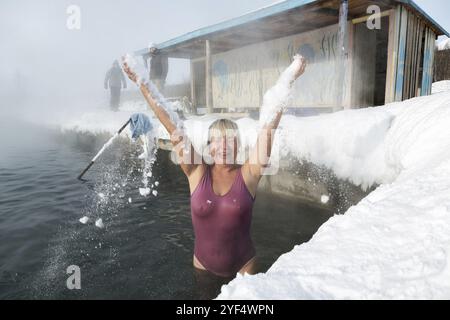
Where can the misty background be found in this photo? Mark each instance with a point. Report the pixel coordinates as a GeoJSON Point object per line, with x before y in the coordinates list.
{"type": "Point", "coordinates": [46, 67]}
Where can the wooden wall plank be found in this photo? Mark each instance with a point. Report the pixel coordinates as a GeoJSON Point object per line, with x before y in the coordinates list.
{"type": "Point", "coordinates": [419, 59]}
{"type": "Point", "coordinates": [426, 82]}
{"type": "Point", "coordinates": [432, 57]}
{"type": "Point", "coordinates": [401, 55]}
{"type": "Point", "coordinates": [428, 78]}
{"type": "Point", "coordinates": [415, 56]}
{"type": "Point", "coordinates": [392, 54]}
{"type": "Point", "coordinates": [193, 83]}
{"type": "Point", "coordinates": [408, 56]}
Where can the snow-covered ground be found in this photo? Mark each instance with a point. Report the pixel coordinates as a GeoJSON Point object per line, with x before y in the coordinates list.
{"type": "Point", "coordinates": [103, 120]}
{"type": "Point", "coordinates": [393, 244]}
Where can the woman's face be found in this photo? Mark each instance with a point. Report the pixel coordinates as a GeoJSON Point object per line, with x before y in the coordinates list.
{"type": "Point", "coordinates": [224, 148]}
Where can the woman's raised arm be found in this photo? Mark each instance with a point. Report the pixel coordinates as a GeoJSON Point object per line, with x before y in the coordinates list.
{"type": "Point", "coordinates": [260, 154]}
{"type": "Point", "coordinates": [187, 157]}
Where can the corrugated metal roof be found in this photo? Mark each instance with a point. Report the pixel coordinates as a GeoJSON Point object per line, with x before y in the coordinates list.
{"type": "Point", "coordinates": [417, 8]}
{"type": "Point", "coordinates": [270, 11]}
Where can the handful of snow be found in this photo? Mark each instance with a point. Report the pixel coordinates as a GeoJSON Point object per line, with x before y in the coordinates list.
{"type": "Point", "coordinates": [84, 220]}
{"type": "Point", "coordinates": [144, 191]}
{"type": "Point", "coordinates": [99, 223]}
{"type": "Point", "coordinates": [277, 98]}
{"type": "Point", "coordinates": [133, 65]}
{"type": "Point", "coordinates": [140, 72]}
{"type": "Point", "coordinates": [324, 199]}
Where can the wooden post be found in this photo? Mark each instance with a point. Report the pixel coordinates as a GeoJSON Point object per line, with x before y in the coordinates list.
{"type": "Point", "coordinates": [408, 56]}
{"type": "Point", "coordinates": [419, 53]}
{"type": "Point", "coordinates": [343, 54]}
{"type": "Point", "coordinates": [433, 57]}
{"type": "Point", "coordinates": [392, 55]}
{"type": "Point", "coordinates": [193, 84]}
{"type": "Point", "coordinates": [415, 55]}
{"type": "Point", "coordinates": [348, 94]}
{"type": "Point", "coordinates": [209, 106]}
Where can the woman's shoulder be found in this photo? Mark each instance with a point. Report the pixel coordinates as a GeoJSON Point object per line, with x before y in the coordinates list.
{"type": "Point", "coordinates": [196, 176]}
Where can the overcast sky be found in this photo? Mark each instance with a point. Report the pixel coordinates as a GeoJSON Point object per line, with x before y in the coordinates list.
{"type": "Point", "coordinates": [46, 56]}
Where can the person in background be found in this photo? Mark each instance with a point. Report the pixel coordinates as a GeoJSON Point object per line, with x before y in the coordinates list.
{"type": "Point", "coordinates": [159, 66]}
{"type": "Point", "coordinates": [114, 80]}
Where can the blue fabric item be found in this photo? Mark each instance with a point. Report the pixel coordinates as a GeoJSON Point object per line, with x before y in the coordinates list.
{"type": "Point", "coordinates": [140, 124]}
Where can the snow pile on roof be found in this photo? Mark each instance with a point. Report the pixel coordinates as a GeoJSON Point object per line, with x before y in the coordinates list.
{"type": "Point", "coordinates": [441, 86]}
{"type": "Point", "coordinates": [395, 244]}
{"type": "Point", "coordinates": [443, 45]}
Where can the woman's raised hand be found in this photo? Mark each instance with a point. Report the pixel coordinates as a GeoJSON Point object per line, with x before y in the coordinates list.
{"type": "Point", "coordinates": [130, 73]}
{"type": "Point", "coordinates": [300, 66]}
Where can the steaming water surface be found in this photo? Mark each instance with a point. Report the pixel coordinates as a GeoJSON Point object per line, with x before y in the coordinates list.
{"type": "Point", "coordinates": [144, 251]}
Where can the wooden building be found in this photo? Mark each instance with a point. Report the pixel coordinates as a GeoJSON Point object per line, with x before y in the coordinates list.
{"type": "Point", "coordinates": [360, 53]}
{"type": "Point", "coordinates": [442, 65]}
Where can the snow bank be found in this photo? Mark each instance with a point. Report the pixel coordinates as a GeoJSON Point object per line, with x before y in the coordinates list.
{"type": "Point", "coordinates": [364, 146]}
{"type": "Point", "coordinates": [103, 120]}
{"type": "Point", "coordinates": [395, 244]}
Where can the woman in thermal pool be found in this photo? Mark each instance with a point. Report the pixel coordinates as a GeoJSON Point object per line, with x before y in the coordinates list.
{"type": "Point", "coordinates": [222, 191]}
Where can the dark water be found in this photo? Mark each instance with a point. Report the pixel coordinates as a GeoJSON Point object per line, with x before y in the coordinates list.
{"type": "Point", "coordinates": [144, 251]}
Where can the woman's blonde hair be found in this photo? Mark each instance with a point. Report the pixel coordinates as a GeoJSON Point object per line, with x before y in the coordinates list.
{"type": "Point", "coordinates": [225, 127]}
{"type": "Point", "coordinates": [228, 128]}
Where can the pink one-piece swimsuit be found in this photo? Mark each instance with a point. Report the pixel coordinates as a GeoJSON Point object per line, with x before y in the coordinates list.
{"type": "Point", "coordinates": [223, 244]}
